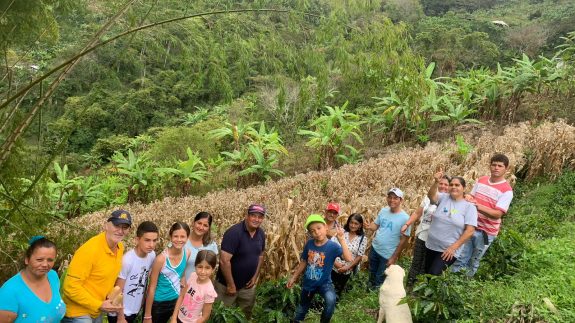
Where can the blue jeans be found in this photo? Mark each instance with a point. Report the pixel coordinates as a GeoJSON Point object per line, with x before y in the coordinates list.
{"type": "Point", "coordinates": [82, 319]}
{"type": "Point", "coordinates": [377, 266]}
{"type": "Point", "coordinates": [472, 252]}
{"type": "Point", "coordinates": [327, 292]}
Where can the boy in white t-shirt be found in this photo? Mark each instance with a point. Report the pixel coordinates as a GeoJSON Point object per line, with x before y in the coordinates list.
{"type": "Point", "coordinates": [133, 277]}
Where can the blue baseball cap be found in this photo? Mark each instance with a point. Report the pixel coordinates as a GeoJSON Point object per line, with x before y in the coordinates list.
{"type": "Point", "coordinates": [120, 217]}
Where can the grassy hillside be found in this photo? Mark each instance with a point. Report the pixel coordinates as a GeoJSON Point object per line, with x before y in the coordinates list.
{"type": "Point", "coordinates": [118, 128]}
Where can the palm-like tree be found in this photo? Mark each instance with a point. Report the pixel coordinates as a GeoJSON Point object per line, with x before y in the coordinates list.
{"type": "Point", "coordinates": [138, 172]}
{"type": "Point", "coordinates": [72, 196]}
{"type": "Point", "coordinates": [256, 151]}
{"type": "Point", "coordinates": [192, 170]}
{"type": "Point", "coordinates": [331, 133]}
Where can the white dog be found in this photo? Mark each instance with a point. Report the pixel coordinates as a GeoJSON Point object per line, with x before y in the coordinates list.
{"type": "Point", "coordinates": [390, 293]}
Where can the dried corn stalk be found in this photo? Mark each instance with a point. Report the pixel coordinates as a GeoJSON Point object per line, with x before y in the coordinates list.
{"type": "Point", "coordinates": [545, 149]}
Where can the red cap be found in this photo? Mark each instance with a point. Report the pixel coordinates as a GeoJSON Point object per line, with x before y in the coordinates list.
{"type": "Point", "coordinates": [332, 207]}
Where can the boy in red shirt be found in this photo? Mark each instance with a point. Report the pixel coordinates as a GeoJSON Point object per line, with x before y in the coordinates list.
{"type": "Point", "coordinates": [492, 196]}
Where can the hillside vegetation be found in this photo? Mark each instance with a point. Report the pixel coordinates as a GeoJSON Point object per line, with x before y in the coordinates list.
{"type": "Point", "coordinates": [526, 276]}
{"type": "Point", "coordinates": [166, 108]}
{"type": "Point", "coordinates": [200, 100]}
{"type": "Point", "coordinates": [534, 150]}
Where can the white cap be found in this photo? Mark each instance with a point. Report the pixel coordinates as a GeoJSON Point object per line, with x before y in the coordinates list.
{"type": "Point", "coordinates": [396, 191]}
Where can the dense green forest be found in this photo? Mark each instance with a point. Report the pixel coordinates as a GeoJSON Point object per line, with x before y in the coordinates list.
{"type": "Point", "coordinates": [104, 103]}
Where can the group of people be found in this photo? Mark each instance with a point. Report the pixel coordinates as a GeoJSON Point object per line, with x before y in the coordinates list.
{"type": "Point", "coordinates": [455, 231]}
{"type": "Point", "coordinates": [457, 228]}
{"type": "Point", "coordinates": [177, 285]}
{"type": "Point", "coordinates": [172, 286]}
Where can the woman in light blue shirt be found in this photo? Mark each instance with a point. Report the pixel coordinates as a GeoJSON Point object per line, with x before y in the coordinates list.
{"type": "Point", "coordinates": [33, 294]}
{"type": "Point", "coordinates": [200, 239]}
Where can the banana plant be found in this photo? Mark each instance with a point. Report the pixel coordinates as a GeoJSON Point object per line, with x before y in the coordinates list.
{"type": "Point", "coordinates": [256, 151]}
{"type": "Point", "coordinates": [455, 113]}
{"type": "Point", "coordinates": [332, 132]}
{"type": "Point", "coordinates": [138, 175]}
{"type": "Point", "coordinates": [191, 119]}
{"type": "Point", "coordinates": [263, 167]}
{"type": "Point", "coordinates": [268, 140]}
{"type": "Point", "coordinates": [352, 155]}
{"type": "Point", "coordinates": [74, 196]}
{"type": "Point", "coordinates": [192, 170]}
{"type": "Point", "coordinates": [239, 133]}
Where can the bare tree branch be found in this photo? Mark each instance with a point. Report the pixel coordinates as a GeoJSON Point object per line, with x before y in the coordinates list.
{"type": "Point", "coordinates": [11, 140]}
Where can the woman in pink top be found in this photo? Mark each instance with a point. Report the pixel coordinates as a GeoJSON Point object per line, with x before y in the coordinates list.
{"type": "Point", "coordinates": [198, 295]}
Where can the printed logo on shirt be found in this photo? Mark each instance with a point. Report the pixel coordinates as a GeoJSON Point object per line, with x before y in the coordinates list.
{"type": "Point", "coordinates": [138, 285]}
{"type": "Point", "coordinates": [185, 312]}
{"type": "Point", "coordinates": [315, 264]}
{"type": "Point", "coordinates": [193, 301]}
{"type": "Point", "coordinates": [386, 225]}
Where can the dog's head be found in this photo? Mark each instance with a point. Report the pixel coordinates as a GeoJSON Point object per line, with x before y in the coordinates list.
{"type": "Point", "coordinates": [395, 271]}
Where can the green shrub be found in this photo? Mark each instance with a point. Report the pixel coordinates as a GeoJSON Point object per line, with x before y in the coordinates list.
{"type": "Point", "coordinates": [504, 256]}
{"type": "Point", "coordinates": [437, 298]}
{"type": "Point", "coordinates": [333, 136]}
{"type": "Point", "coordinates": [276, 302]}
{"type": "Point", "coordinates": [546, 271]}
{"type": "Point", "coordinates": [357, 305]}
{"type": "Point", "coordinates": [539, 208]}
{"type": "Point", "coordinates": [105, 148]}
{"type": "Point", "coordinates": [561, 206]}
{"type": "Point", "coordinates": [172, 142]}
{"type": "Point", "coordinates": [463, 148]}
{"type": "Point", "coordinates": [224, 314]}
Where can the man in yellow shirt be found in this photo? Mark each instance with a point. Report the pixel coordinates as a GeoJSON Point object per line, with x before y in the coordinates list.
{"type": "Point", "coordinates": [93, 272]}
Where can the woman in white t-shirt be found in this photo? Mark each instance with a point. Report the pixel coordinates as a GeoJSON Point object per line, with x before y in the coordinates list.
{"type": "Point", "coordinates": [425, 213]}
{"type": "Point", "coordinates": [200, 239]}
{"type": "Point", "coordinates": [454, 222]}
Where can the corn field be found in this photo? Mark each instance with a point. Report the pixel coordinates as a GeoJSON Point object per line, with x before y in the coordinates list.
{"type": "Point", "coordinates": [533, 150]}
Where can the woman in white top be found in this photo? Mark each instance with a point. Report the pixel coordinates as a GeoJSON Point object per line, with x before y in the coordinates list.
{"type": "Point", "coordinates": [356, 241]}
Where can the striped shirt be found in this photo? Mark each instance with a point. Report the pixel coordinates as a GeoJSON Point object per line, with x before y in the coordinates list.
{"type": "Point", "coordinates": [496, 196]}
